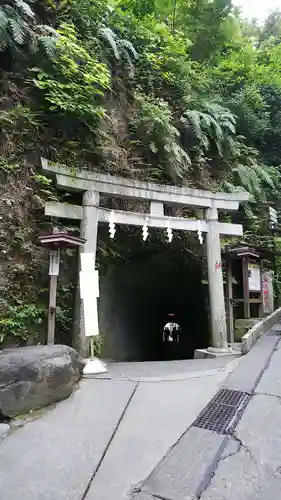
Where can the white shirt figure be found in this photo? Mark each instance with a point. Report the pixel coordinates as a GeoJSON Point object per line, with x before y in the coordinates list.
{"type": "Point", "coordinates": [171, 332]}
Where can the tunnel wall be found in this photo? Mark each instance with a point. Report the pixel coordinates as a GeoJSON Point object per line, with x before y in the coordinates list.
{"type": "Point", "coordinates": [118, 344]}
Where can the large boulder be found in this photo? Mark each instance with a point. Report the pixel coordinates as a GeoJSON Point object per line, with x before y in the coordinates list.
{"type": "Point", "coordinates": [33, 377]}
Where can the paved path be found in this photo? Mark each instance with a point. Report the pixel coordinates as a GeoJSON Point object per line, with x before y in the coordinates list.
{"type": "Point", "coordinates": [244, 464]}
{"type": "Point", "coordinates": [107, 438]}
{"type": "Point", "coordinates": [130, 435]}
{"type": "Point", "coordinates": [251, 469]}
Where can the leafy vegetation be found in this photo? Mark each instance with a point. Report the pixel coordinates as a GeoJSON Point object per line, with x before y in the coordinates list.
{"type": "Point", "coordinates": [20, 322]}
{"type": "Point", "coordinates": [174, 91]}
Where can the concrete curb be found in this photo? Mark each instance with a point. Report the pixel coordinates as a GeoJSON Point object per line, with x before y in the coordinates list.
{"type": "Point", "coordinates": [247, 374]}
{"type": "Point", "coordinates": [251, 337]}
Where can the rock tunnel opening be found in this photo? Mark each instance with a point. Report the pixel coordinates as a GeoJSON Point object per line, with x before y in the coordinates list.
{"type": "Point", "coordinates": [136, 298]}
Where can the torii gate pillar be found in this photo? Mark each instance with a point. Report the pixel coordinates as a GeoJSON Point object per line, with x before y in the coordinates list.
{"type": "Point", "coordinates": [215, 280]}
{"type": "Point", "coordinates": [89, 232]}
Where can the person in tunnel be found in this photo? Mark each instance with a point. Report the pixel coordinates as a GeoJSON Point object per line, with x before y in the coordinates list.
{"type": "Point", "coordinates": [172, 332]}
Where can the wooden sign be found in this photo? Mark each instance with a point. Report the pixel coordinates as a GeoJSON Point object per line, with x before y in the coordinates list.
{"type": "Point", "coordinates": [54, 263]}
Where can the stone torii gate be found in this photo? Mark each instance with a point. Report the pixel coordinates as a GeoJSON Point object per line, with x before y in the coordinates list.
{"type": "Point", "coordinates": [92, 184]}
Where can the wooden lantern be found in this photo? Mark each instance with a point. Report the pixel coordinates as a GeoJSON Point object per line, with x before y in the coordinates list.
{"type": "Point", "coordinates": [56, 241]}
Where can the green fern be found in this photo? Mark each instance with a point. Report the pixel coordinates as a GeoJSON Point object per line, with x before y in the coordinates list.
{"type": "Point", "coordinates": [121, 48]}
{"type": "Point", "coordinates": [232, 188]}
{"type": "Point", "coordinates": [248, 178]}
{"type": "Point", "coordinates": [253, 177]}
{"type": "Point", "coordinates": [153, 122]}
{"type": "Point", "coordinates": [212, 124]}
{"type": "Point", "coordinates": [112, 39]}
{"type": "Point", "coordinates": [249, 174]}
{"type": "Point", "coordinates": [25, 8]}
{"type": "Point", "coordinates": [18, 27]}
{"type": "Point", "coordinates": [3, 19]}
{"type": "Point", "coordinates": [48, 44]}
{"type": "Point", "coordinates": [125, 44]}
{"type": "Point", "coordinates": [181, 159]}
{"type": "Point", "coordinates": [18, 30]}
{"type": "Point", "coordinates": [193, 118]}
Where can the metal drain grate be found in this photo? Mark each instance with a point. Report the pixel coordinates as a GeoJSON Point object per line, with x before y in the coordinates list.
{"type": "Point", "coordinates": [229, 397]}
{"type": "Point", "coordinates": [223, 412]}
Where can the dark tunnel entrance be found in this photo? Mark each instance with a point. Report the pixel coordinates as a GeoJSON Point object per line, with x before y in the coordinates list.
{"type": "Point", "coordinates": [136, 299]}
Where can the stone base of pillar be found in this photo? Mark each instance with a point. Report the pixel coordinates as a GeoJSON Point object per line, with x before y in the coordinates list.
{"type": "Point", "coordinates": [213, 352]}
{"type": "Point", "coordinates": [94, 366]}
{"type": "Point", "coordinates": [219, 350]}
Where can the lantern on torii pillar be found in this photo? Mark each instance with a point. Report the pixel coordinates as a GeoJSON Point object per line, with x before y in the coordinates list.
{"type": "Point", "coordinates": [55, 241]}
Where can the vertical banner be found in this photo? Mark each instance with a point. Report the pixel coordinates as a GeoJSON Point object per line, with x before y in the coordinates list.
{"type": "Point", "coordinates": [91, 318]}
{"type": "Point", "coordinates": [267, 292]}
{"type": "Point", "coordinates": [87, 261]}
{"type": "Point", "coordinates": [89, 292]}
